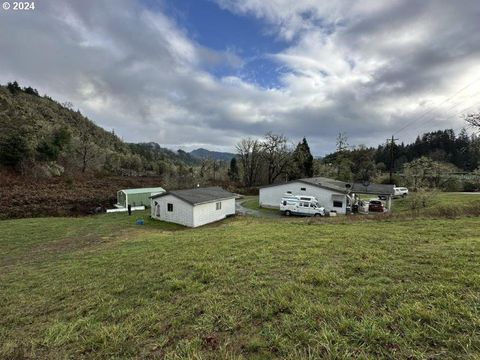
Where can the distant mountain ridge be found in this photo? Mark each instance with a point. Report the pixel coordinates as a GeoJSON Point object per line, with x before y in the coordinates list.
{"type": "Point", "coordinates": [202, 153]}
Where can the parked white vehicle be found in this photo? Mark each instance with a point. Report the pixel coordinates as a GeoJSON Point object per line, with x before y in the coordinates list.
{"type": "Point", "coordinates": [400, 191]}
{"type": "Point", "coordinates": [363, 206]}
{"type": "Point", "coordinates": [301, 205]}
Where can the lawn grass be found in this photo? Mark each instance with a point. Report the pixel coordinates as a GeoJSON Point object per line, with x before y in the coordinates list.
{"type": "Point", "coordinates": [103, 287]}
{"type": "Point", "coordinates": [438, 199]}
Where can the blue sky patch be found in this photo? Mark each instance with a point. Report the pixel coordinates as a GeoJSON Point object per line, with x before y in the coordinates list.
{"type": "Point", "coordinates": [220, 30]}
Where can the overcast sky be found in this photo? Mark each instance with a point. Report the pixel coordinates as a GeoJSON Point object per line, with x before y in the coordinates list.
{"type": "Point", "coordinates": [200, 73]}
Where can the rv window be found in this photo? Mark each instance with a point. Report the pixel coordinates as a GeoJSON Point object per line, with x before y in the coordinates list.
{"type": "Point", "coordinates": [284, 203]}
{"type": "Point", "coordinates": [289, 192]}
{"type": "Point", "coordinates": [312, 205]}
{"type": "Point", "coordinates": [219, 205]}
{"type": "Point", "coordinates": [170, 207]}
{"type": "Point", "coordinates": [303, 189]}
{"type": "Point", "coordinates": [338, 204]}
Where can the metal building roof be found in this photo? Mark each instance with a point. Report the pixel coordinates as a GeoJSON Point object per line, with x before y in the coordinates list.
{"type": "Point", "coordinates": [143, 190]}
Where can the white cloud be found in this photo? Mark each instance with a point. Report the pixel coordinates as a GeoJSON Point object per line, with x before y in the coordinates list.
{"type": "Point", "coordinates": [364, 68]}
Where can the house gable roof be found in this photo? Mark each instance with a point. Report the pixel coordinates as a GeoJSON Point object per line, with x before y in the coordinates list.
{"type": "Point", "coordinates": [199, 195]}
{"type": "Point", "coordinates": [341, 186]}
{"type": "Point", "coordinates": [331, 184]}
{"type": "Point", "coordinates": [320, 182]}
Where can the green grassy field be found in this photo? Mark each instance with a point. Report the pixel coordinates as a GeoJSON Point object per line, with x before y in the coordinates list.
{"type": "Point", "coordinates": [102, 287]}
{"type": "Point", "coordinates": [440, 199]}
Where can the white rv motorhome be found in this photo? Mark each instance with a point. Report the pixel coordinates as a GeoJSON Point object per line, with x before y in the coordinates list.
{"type": "Point", "coordinates": [301, 205]}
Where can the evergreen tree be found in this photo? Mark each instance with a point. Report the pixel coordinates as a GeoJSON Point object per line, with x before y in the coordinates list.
{"type": "Point", "coordinates": [233, 171]}
{"type": "Point", "coordinates": [13, 87]}
{"type": "Point", "coordinates": [302, 161]}
{"type": "Point", "coordinates": [31, 91]}
{"type": "Point", "coordinates": [13, 150]}
{"type": "Point", "coordinates": [50, 149]}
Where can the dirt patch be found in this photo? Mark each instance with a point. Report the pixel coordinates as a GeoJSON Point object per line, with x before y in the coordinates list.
{"type": "Point", "coordinates": [25, 197]}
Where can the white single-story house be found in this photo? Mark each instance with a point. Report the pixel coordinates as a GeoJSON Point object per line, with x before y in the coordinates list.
{"type": "Point", "coordinates": [332, 194]}
{"type": "Point", "coordinates": [193, 207]}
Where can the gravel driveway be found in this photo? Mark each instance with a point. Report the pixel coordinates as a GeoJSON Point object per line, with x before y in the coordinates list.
{"type": "Point", "coordinates": [240, 209]}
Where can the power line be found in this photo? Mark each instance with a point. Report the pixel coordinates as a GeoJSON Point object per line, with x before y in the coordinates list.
{"type": "Point", "coordinates": [447, 118]}
{"type": "Point", "coordinates": [429, 111]}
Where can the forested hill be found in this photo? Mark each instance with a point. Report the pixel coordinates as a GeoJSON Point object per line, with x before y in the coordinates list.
{"type": "Point", "coordinates": [40, 136]}
{"type": "Point", "coordinates": [153, 151]}
{"type": "Point", "coordinates": [461, 150]}
{"type": "Point", "coordinates": [214, 155]}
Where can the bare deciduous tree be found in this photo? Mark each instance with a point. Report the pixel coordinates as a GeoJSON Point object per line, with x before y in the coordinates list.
{"type": "Point", "coordinates": [473, 120]}
{"type": "Point", "coordinates": [86, 150]}
{"type": "Point", "coordinates": [204, 166]}
{"type": "Point", "coordinates": [249, 154]}
{"type": "Point", "coordinates": [276, 155]}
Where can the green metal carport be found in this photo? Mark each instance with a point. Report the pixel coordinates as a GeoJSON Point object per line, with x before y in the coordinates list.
{"type": "Point", "coordinates": [136, 197]}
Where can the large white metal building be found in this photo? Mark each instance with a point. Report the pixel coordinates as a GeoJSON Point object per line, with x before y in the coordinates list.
{"type": "Point", "coordinates": [193, 207]}
{"type": "Point", "coordinates": [332, 194]}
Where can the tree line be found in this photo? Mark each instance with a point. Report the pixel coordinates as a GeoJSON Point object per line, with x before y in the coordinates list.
{"type": "Point", "coordinates": [266, 160]}
{"type": "Point", "coordinates": [435, 159]}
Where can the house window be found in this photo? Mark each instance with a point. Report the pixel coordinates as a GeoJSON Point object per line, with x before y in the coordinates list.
{"type": "Point", "coordinates": [337, 203]}
{"type": "Point", "coordinates": [169, 207]}
{"type": "Point", "coordinates": [219, 205]}
{"type": "Point", "coordinates": [303, 189]}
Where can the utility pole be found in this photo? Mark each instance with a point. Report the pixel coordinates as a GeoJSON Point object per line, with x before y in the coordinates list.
{"type": "Point", "coordinates": [392, 143]}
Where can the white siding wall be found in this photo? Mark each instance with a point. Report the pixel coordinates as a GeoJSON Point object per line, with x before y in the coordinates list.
{"type": "Point", "coordinates": [188, 215]}
{"type": "Point", "coordinates": [271, 196]}
{"type": "Point", "coordinates": [182, 211]}
{"type": "Point", "coordinates": [207, 213]}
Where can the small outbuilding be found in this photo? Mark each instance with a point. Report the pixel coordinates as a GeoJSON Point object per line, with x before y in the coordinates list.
{"type": "Point", "coordinates": [193, 207]}
{"type": "Point", "coordinates": [136, 197]}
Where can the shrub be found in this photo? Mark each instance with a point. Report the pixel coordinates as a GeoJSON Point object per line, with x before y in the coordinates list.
{"type": "Point", "coordinates": [446, 211]}
{"type": "Point", "coordinates": [452, 185]}
{"type": "Point", "coordinates": [455, 211]}
{"type": "Point", "coordinates": [13, 150]}
{"type": "Point", "coordinates": [470, 186]}
{"type": "Point", "coordinates": [420, 199]}
{"type": "Point", "coordinates": [48, 151]}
